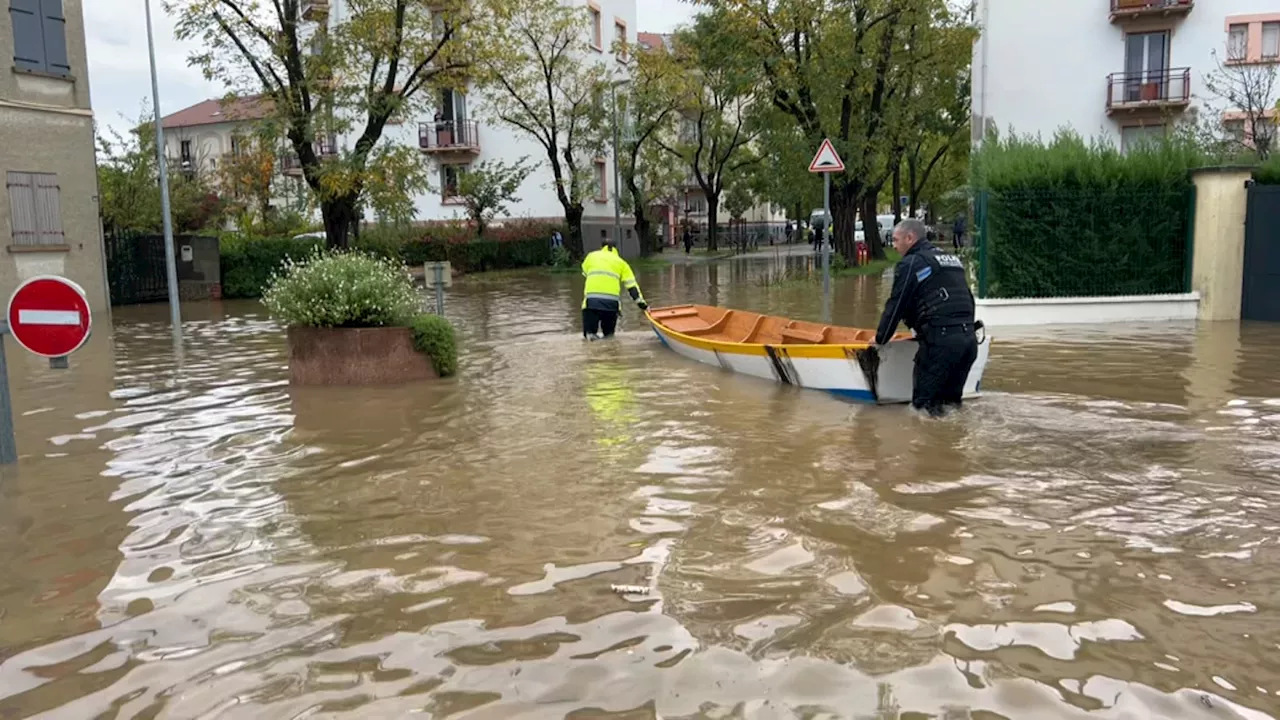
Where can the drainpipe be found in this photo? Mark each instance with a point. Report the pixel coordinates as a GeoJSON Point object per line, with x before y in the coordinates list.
{"type": "Point", "coordinates": [986, 43]}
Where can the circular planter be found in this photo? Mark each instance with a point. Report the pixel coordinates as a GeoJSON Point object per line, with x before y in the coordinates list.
{"type": "Point", "coordinates": [355, 356]}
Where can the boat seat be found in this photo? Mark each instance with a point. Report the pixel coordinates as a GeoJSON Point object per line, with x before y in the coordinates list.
{"type": "Point", "coordinates": [802, 337]}
{"type": "Point", "coordinates": [676, 313]}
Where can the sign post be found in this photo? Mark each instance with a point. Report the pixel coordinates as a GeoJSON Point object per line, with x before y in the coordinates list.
{"type": "Point", "coordinates": [440, 276]}
{"type": "Point", "coordinates": [48, 316]}
{"type": "Point", "coordinates": [827, 161]}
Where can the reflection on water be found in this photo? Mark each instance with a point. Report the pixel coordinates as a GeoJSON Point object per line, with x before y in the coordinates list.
{"type": "Point", "coordinates": [1095, 538]}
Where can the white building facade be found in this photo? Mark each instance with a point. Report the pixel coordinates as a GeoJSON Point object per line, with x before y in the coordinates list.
{"type": "Point", "coordinates": [459, 132]}
{"type": "Point", "coordinates": [1115, 69]}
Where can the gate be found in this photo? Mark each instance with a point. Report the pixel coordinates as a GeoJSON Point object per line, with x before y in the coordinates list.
{"type": "Point", "coordinates": [1260, 295]}
{"type": "Point", "coordinates": [136, 271]}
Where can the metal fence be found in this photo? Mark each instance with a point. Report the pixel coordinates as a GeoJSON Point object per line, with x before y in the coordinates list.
{"type": "Point", "coordinates": [136, 271]}
{"type": "Point", "coordinates": [1084, 242]}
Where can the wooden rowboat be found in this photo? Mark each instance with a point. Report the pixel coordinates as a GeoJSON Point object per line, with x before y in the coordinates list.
{"type": "Point", "coordinates": [840, 360]}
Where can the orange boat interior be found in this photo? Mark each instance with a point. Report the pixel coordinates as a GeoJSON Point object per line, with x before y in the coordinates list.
{"type": "Point", "coordinates": [716, 324]}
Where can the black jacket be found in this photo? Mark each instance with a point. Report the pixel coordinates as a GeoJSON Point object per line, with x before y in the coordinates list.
{"type": "Point", "coordinates": [929, 290]}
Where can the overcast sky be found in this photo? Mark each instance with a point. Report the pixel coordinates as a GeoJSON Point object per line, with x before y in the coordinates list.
{"type": "Point", "coordinates": [119, 73]}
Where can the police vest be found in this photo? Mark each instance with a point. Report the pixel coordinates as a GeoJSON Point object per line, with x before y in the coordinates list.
{"type": "Point", "coordinates": [607, 274]}
{"type": "Point", "coordinates": [942, 295]}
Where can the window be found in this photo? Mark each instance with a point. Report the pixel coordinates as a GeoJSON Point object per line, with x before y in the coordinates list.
{"type": "Point", "coordinates": [449, 177]}
{"type": "Point", "coordinates": [185, 152]}
{"type": "Point", "coordinates": [39, 36]}
{"type": "Point", "coordinates": [620, 38]}
{"type": "Point", "coordinates": [35, 210]}
{"type": "Point", "coordinates": [1238, 42]}
{"type": "Point", "coordinates": [602, 182]}
{"type": "Point", "coordinates": [235, 145]}
{"type": "Point", "coordinates": [1235, 128]}
{"type": "Point", "coordinates": [1271, 40]}
{"type": "Point", "coordinates": [1136, 135]}
{"type": "Point", "coordinates": [597, 33]}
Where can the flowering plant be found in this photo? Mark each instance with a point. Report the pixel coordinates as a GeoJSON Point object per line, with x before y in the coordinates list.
{"type": "Point", "coordinates": [342, 289]}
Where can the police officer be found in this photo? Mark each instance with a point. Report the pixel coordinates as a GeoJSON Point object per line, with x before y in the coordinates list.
{"type": "Point", "coordinates": [931, 294]}
{"type": "Point", "coordinates": [606, 273]}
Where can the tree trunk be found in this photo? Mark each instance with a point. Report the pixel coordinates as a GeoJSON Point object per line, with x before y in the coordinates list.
{"type": "Point", "coordinates": [643, 225]}
{"type": "Point", "coordinates": [897, 193]}
{"type": "Point", "coordinates": [875, 244]}
{"type": "Point", "coordinates": [844, 212]}
{"type": "Point", "coordinates": [573, 219]}
{"type": "Point", "coordinates": [338, 214]}
{"type": "Point", "coordinates": [713, 229]}
{"type": "Point", "coordinates": [912, 184]}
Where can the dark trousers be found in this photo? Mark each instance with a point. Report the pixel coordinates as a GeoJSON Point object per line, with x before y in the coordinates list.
{"type": "Point", "coordinates": [594, 321]}
{"type": "Point", "coordinates": [943, 362]}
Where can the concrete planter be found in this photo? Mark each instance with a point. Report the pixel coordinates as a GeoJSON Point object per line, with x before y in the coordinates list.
{"type": "Point", "coordinates": [355, 356]}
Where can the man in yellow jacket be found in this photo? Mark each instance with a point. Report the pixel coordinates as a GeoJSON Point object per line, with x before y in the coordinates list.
{"type": "Point", "coordinates": [607, 274]}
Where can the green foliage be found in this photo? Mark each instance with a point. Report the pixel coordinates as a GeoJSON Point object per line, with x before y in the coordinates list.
{"type": "Point", "coordinates": [1269, 172]}
{"type": "Point", "coordinates": [248, 262]}
{"type": "Point", "coordinates": [433, 335]}
{"type": "Point", "coordinates": [514, 245]}
{"type": "Point", "coordinates": [1074, 218]}
{"type": "Point", "coordinates": [561, 259]}
{"type": "Point", "coordinates": [488, 187]}
{"type": "Point", "coordinates": [343, 290]}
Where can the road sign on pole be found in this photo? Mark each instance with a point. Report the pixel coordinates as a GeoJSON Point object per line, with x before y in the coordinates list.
{"type": "Point", "coordinates": [827, 161]}
{"type": "Point", "coordinates": [49, 316]}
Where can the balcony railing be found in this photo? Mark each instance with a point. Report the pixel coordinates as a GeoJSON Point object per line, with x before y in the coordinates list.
{"type": "Point", "coordinates": [1132, 9]}
{"type": "Point", "coordinates": [290, 164]}
{"type": "Point", "coordinates": [444, 136]}
{"type": "Point", "coordinates": [1150, 89]}
{"type": "Point", "coordinates": [315, 10]}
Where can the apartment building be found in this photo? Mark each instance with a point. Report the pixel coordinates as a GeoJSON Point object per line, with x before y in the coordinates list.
{"type": "Point", "coordinates": [1122, 70]}
{"type": "Point", "coordinates": [49, 212]}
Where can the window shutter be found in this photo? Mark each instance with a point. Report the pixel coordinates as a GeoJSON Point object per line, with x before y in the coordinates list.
{"type": "Point", "coordinates": [55, 37]}
{"type": "Point", "coordinates": [28, 38]}
{"type": "Point", "coordinates": [22, 208]}
{"type": "Point", "coordinates": [48, 210]}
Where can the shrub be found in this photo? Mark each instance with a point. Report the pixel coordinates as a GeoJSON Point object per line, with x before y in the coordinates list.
{"type": "Point", "coordinates": [517, 244]}
{"type": "Point", "coordinates": [1073, 218]}
{"type": "Point", "coordinates": [249, 262]}
{"type": "Point", "coordinates": [1268, 173]}
{"type": "Point", "coordinates": [433, 335]}
{"type": "Point", "coordinates": [342, 289]}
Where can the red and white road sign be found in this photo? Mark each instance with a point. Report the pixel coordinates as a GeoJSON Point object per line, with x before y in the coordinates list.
{"type": "Point", "coordinates": [827, 160]}
{"type": "Point", "coordinates": [49, 316]}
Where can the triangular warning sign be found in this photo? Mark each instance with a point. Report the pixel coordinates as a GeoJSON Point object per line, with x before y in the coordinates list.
{"type": "Point", "coordinates": [827, 160]}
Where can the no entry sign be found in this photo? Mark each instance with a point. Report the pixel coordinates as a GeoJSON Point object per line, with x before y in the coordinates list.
{"type": "Point", "coordinates": [49, 316]}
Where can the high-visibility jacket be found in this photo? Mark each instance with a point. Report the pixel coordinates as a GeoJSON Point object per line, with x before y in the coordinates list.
{"type": "Point", "coordinates": [607, 274]}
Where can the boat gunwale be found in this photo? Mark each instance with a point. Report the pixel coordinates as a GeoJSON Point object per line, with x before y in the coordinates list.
{"type": "Point", "coordinates": [787, 346]}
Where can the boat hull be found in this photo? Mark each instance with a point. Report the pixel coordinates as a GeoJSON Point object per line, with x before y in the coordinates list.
{"type": "Point", "coordinates": [837, 369]}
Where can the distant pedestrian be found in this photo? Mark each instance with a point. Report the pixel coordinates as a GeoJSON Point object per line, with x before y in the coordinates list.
{"type": "Point", "coordinates": [557, 240]}
{"type": "Point", "coordinates": [957, 231]}
{"type": "Point", "coordinates": [688, 240]}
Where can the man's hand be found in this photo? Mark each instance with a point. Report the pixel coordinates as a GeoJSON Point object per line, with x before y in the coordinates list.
{"type": "Point", "coordinates": [642, 305]}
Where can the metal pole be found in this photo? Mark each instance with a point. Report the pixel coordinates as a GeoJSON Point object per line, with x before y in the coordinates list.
{"type": "Point", "coordinates": [439, 276]}
{"type": "Point", "coordinates": [826, 248]}
{"type": "Point", "coordinates": [8, 445]}
{"type": "Point", "coordinates": [617, 185]}
{"type": "Point", "coordinates": [171, 265]}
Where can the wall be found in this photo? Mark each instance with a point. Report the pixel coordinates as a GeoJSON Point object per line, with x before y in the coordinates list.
{"type": "Point", "coordinates": [1217, 270]}
{"type": "Point", "coordinates": [46, 125]}
{"type": "Point", "coordinates": [1046, 64]}
{"type": "Point", "coordinates": [996, 313]}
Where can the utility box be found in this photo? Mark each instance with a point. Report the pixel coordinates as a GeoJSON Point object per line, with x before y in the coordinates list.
{"type": "Point", "coordinates": [199, 267]}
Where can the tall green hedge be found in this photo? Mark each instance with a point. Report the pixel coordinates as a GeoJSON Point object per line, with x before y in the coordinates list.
{"type": "Point", "coordinates": [1073, 218]}
{"type": "Point", "coordinates": [1268, 173]}
{"type": "Point", "coordinates": [248, 262]}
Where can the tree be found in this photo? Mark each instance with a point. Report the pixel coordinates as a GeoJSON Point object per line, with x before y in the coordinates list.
{"type": "Point", "coordinates": [545, 85]}
{"type": "Point", "coordinates": [487, 188]}
{"type": "Point", "coordinates": [836, 69]}
{"type": "Point", "coordinates": [322, 78]}
{"type": "Point", "coordinates": [129, 184]}
{"type": "Point", "coordinates": [716, 133]}
{"type": "Point", "coordinates": [1249, 91]}
{"type": "Point", "coordinates": [248, 174]}
{"type": "Point", "coordinates": [646, 113]}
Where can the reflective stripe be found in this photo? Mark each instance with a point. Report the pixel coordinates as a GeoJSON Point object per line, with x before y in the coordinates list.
{"type": "Point", "coordinates": [630, 284]}
{"type": "Point", "coordinates": [601, 296]}
{"type": "Point", "coordinates": [604, 272]}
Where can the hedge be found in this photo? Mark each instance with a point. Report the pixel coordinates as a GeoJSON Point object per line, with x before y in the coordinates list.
{"type": "Point", "coordinates": [248, 262]}
{"type": "Point", "coordinates": [1268, 173]}
{"type": "Point", "coordinates": [1071, 218]}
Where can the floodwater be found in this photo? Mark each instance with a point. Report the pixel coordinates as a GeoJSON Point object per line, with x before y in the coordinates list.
{"type": "Point", "coordinates": [1095, 538]}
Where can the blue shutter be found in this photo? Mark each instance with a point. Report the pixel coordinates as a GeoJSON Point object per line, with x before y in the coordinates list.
{"type": "Point", "coordinates": [55, 37]}
{"type": "Point", "coordinates": [28, 35]}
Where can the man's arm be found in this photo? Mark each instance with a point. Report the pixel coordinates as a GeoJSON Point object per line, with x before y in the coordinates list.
{"type": "Point", "coordinates": [629, 282]}
{"type": "Point", "coordinates": [904, 278]}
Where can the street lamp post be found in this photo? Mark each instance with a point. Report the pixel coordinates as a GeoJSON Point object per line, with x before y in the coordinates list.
{"type": "Point", "coordinates": [171, 265]}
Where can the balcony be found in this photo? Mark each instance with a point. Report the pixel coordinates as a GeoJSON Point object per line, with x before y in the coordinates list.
{"type": "Point", "coordinates": [291, 165]}
{"type": "Point", "coordinates": [1152, 90]}
{"type": "Point", "coordinates": [449, 137]}
{"type": "Point", "coordinates": [317, 10]}
{"type": "Point", "coordinates": [1125, 10]}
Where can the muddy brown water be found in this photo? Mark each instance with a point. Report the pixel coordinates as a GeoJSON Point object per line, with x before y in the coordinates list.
{"type": "Point", "coordinates": [1095, 538]}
